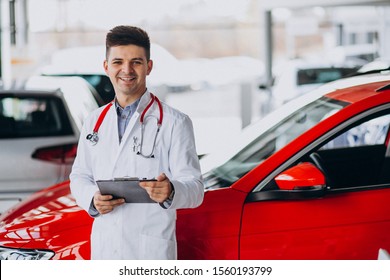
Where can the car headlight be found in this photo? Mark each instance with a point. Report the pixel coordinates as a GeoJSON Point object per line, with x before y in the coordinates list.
{"type": "Point", "coordinates": [24, 254]}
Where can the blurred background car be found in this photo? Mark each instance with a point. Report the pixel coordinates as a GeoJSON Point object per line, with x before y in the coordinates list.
{"type": "Point", "coordinates": [286, 188]}
{"type": "Point", "coordinates": [356, 54]}
{"type": "Point", "coordinates": [39, 129]}
{"type": "Point", "coordinates": [298, 76]}
{"type": "Point", "coordinates": [375, 66]}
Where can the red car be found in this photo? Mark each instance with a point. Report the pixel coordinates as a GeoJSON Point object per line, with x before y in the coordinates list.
{"type": "Point", "coordinates": [309, 181]}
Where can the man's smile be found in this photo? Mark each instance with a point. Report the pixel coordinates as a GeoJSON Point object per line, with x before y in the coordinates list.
{"type": "Point", "coordinates": [127, 79]}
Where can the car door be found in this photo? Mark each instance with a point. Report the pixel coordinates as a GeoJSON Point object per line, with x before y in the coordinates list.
{"type": "Point", "coordinates": [348, 218]}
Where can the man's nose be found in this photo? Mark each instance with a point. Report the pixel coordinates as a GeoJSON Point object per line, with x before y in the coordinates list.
{"type": "Point", "coordinates": [127, 68]}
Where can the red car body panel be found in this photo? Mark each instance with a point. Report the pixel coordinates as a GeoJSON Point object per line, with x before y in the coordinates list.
{"type": "Point", "coordinates": [212, 230]}
{"type": "Point", "coordinates": [228, 225]}
{"type": "Point", "coordinates": [294, 229]}
{"type": "Point", "coordinates": [356, 94]}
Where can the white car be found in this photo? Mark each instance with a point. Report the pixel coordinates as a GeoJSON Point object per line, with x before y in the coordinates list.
{"type": "Point", "coordinates": [375, 66]}
{"type": "Point", "coordinates": [39, 129]}
{"type": "Point", "coordinates": [298, 76]}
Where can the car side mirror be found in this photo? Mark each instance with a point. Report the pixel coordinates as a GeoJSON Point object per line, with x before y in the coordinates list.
{"type": "Point", "coordinates": [304, 176]}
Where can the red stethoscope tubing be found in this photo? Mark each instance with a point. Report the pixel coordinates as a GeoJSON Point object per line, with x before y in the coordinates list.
{"type": "Point", "coordinates": [101, 118]}
{"type": "Point", "coordinates": [153, 98]}
{"type": "Point", "coordinates": [105, 110]}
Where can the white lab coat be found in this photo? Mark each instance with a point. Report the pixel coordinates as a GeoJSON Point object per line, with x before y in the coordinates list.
{"type": "Point", "coordinates": [137, 231]}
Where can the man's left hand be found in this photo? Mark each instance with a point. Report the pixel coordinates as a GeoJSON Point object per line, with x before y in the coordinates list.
{"type": "Point", "coordinates": [158, 190]}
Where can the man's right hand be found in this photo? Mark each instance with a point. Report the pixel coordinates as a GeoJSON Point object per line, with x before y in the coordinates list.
{"type": "Point", "coordinates": [105, 204]}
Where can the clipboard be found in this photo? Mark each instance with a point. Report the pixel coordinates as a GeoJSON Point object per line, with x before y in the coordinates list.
{"type": "Point", "coordinates": [127, 188]}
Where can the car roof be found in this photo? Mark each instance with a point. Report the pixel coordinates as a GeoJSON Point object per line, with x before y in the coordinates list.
{"type": "Point", "coordinates": [356, 88]}
{"type": "Point", "coordinates": [43, 84]}
{"type": "Point", "coordinates": [26, 92]}
{"type": "Point", "coordinates": [377, 65]}
{"type": "Point", "coordinates": [309, 63]}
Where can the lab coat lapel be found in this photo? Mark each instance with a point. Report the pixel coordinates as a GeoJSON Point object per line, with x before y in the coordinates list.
{"type": "Point", "coordinates": [110, 130]}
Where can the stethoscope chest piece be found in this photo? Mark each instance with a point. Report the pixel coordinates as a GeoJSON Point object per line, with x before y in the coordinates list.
{"type": "Point", "coordinates": [93, 138]}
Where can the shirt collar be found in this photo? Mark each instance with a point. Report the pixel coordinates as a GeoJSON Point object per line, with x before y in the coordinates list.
{"type": "Point", "coordinates": [132, 107]}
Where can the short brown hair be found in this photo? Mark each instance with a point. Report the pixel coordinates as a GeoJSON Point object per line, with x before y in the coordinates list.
{"type": "Point", "coordinates": [128, 35]}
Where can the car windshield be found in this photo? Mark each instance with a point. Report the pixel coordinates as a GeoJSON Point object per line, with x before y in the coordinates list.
{"type": "Point", "coordinates": [33, 116]}
{"type": "Point", "coordinates": [270, 142]}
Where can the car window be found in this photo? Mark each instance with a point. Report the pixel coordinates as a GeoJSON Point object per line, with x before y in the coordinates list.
{"type": "Point", "coordinates": [37, 116]}
{"type": "Point", "coordinates": [322, 75]}
{"type": "Point", "coordinates": [103, 86]}
{"type": "Point", "coordinates": [270, 142]}
{"type": "Point", "coordinates": [356, 158]}
{"type": "Point", "coordinates": [371, 132]}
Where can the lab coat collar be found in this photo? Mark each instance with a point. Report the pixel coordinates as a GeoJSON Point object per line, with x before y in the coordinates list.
{"type": "Point", "coordinates": [144, 101]}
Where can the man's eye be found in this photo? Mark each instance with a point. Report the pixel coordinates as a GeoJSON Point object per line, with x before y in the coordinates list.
{"type": "Point", "coordinates": [116, 62]}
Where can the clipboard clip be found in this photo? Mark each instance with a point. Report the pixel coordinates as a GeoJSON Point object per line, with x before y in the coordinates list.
{"type": "Point", "coordinates": [126, 179]}
{"type": "Point", "coordinates": [133, 179]}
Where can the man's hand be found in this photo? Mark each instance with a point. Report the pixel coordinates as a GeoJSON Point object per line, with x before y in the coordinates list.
{"type": "Point", "coordinates": [158, 190]}
{"type": "Point", "coordinates": [105, 204]}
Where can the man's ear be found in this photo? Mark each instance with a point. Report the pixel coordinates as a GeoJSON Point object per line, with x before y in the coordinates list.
{"type": "Point", "coordinates": [150, 66]}
{"type": "Point", "coordinates": [105, 66]}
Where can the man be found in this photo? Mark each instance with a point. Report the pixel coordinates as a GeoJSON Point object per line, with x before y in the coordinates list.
{"type": "Point", "coordinates": [163, 149]}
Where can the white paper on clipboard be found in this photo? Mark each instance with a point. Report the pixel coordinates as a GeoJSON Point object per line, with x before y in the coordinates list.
{"type": "Point", "coordinates": [127, 188]}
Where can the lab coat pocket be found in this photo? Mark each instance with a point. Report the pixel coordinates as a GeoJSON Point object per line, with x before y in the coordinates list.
{"type": "Point", "coordinates": [154, 248]}
{"type": "Point", "coordinates": [147, 167]}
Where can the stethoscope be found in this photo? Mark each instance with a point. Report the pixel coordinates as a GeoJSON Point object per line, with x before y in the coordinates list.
{"type": "Point", "coordinates": [94, 138]}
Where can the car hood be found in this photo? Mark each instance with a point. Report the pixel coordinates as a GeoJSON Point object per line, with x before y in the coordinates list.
{"type": "Point", "coordinates": [35, 222]}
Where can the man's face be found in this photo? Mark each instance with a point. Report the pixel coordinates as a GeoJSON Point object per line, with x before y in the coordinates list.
{"type": "Point", "coordinates": [127, 68]}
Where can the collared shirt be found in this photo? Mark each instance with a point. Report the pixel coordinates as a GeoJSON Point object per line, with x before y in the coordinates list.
{"type": "Point", "coordinates": [124, 116]}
